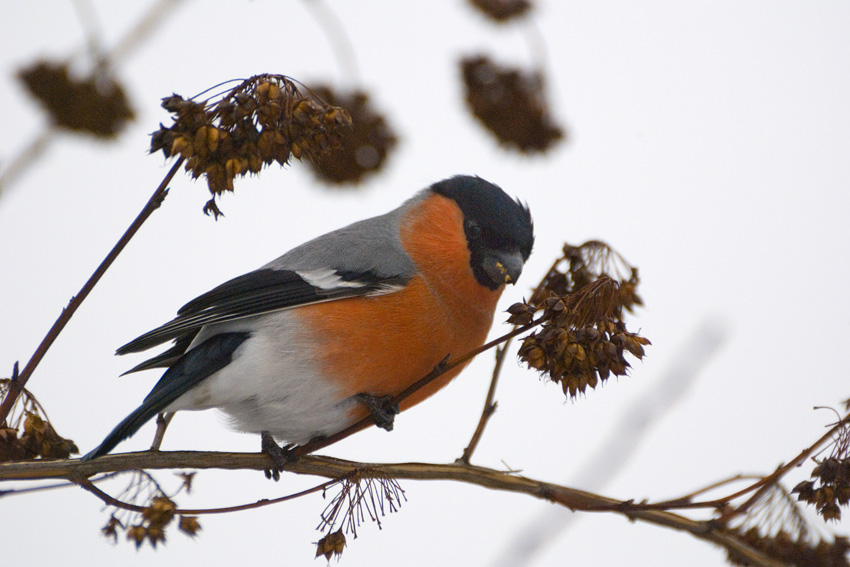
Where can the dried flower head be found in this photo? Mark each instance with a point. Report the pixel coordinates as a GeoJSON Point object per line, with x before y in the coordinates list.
{"type": "Point", "coordinates": [112, 528]}
{"type": "Point", "coordinates": [160, 512]}
{"type": "Point", "coordinates": [363, 148]}
{"type": "Point", "coordinates": [27, 434]}
{"type": "Point", "coordinates": [582, 338]}
{"type": "Point", "coordinates": [331, 545]}
{"type": "Point", "coordinates": [264, 119]}
{"type": "Point", "coordinates": [511, 104]}
{"type": "Point", "coordinates": [157, 512]}
{"type": "Point", "coordinates": [775, 525]}
{"type": "Point", "coordinates": [95, 104]}
{"type": "Point", "coordinates": [794, 551]}
{"type": "Point", "coordinates": [189, 525]}
{"type": "Point", "coordinates": [830, 489]}
{"type": "Point", "coordinates": [502, 10]}
{"type": "Point", "coordinates": [363, 494]}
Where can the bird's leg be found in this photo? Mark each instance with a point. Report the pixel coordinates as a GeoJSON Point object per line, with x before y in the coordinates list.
{"type": "Point", "coordinates": [280, 456]}
{"type": "Point", "coordinates": [382, 409]}
{"type": "Point", "coordinates": [162, 421]}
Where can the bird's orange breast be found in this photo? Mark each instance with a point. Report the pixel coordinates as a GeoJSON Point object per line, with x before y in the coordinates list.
{"type": "Point", "coordinates": [379, 345]}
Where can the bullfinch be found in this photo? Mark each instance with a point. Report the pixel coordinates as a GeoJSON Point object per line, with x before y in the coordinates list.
{"type": "Point", "coordinates": [296, 349]}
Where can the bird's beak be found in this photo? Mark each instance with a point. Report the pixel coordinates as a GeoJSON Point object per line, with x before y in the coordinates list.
{"type": "Point", "coordinates": [503, 266]}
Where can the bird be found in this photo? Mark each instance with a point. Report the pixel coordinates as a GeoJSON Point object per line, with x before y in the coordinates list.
{"type": "Point", "coordinates": [326, 334]}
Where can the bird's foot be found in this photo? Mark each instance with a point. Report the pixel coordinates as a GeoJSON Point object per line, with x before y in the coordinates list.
{"type": "Point", "coordinates": [280, 456]}
{"type": "Point", "coordinates": [382, 409]}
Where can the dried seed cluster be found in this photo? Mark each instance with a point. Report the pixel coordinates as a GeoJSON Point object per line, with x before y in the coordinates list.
{"type": "Point", "coordinates": [584, 264]}
{"type": "Point", "coordinates": [502, 10]}
{"type": "Point", "coordinates": [95, 104]}
{"type": "Point", "coordinates": [511, 104]}
{"type": "Point", "coordinates": [151, 527]}
{"type": "Point", "coordinates": [795, 551]}
{"type": "Point", "coordinates": [331, 545]}
{"type": "Point", "coordinates": [38, 439]}
{"type": "Point", "coordinates": [363, 148]}
{"type": "Point", "coordinates": [264, 119]}
{"type": "Point", "coordinates": [831, 488]}
{"type": "Point", "coordinates": [27, 434]}
{"type": "Point", "coordinates": [160, 510]}
{"type": "Point", "coordinates": [582, 338]}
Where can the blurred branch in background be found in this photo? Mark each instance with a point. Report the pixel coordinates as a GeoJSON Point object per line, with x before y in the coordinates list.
{"type": "Point", "coordinates": [54, 84]}
{"type": "Point", "coordinates": [625, 439]}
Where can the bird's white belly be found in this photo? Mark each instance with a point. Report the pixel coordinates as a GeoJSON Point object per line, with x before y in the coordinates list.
{"type": "Point", "coordinates": [272, 383]}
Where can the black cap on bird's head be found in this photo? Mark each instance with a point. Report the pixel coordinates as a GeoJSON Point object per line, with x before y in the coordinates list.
{"type": "Point", "coordinates": [498, 229]}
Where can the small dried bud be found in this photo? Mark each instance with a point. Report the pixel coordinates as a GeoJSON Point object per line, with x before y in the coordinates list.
{"type": "Point", "coordinates": [155, 535]}
{"type": "Point", "coordinates": [189, 525]}
{"type": "Point", "coordinates": [136, 534]}
{"type": "Point", "coordinates": [330, 545]}
{"type": "Point", "coordinates": [521, 313]}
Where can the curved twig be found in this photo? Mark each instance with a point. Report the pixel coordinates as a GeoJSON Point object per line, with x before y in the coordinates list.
{"type": "Point", "coordinates": [16, 386]}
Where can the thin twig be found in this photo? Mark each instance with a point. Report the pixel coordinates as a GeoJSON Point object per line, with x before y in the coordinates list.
{"type": "Point", "coordinates": [110, 500]}
{"type": "Point", "coordinates": [31, 152]}
{"type": "Point", "coordinates": [337, 35]}
{"type": "Point", "coordinates": [141, 31]}
{"type": "Point", "coordinates": [258, 503]}
{"type": "Point", "coordinates": [764, 484]}
{"type": "Point", "coordinates": [489, 405]}
{"type": "Point", "coordinates": [16, 386]}
{"type": "Point", "coordinates": [19, 491]}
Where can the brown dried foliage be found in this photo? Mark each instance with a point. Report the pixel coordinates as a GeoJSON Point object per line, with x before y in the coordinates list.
{"type": "Point", "coordinates": [830, 489]}
{"type": "Point", "coordinates": [158, 511]}
{"type": "Point", "coordinates": [502, 10]}
{"type": "Point", "coordinates": [28, 435]}
{"type": "Point", "coordinates": [582, 338]}
{"type": "Point", "coordinates": [264, 119]}
{"type": "Point", "coordinates": [360, 496]}
{"type": "Point", "coordinates": [511, 104]}
{"type": "Point", "coordinates": [794, 551]}
{"type": "Point", "coordinates": [363, 148]}
{"type": "Point", "coordinates": [155, 518]}
{"type": "Point", "coordinates": [776, 525]}
{"type": "Point", "coordinates": [95, 104]}
{"type": "Point", "coordinates": [331, 545]}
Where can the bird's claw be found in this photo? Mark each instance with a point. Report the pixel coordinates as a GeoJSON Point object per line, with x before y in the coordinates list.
{"type": "Point", "coordinates": [280, 456]}
{"type": "Point", "coordinates": [382, 409]}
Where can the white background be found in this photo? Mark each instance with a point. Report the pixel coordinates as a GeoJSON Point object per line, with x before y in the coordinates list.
{"type": "Point", "coordinates": [709, 143]}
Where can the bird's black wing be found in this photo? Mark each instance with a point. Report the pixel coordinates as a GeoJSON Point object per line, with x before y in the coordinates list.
{"type": "Point", "coordinates": [254, 293]}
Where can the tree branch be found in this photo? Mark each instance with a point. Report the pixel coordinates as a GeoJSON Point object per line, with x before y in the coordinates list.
{"type": "Point", "coordinates": [576, 500]}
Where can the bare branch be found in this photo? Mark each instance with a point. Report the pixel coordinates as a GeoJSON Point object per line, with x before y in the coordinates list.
{"type": "Point", "coordinates": [329, 467]}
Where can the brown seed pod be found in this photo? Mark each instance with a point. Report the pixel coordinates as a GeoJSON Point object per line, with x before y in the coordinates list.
{"type": "Point", "coordinates": [358, 151]}
{"type": "Point", "coordinates": [264, 119]}
{"type": "Point", "coordinates": [502, 10]}
{"type": "Point", "coordinates": [95, 104]}
{"type": "Point", "coordinates": [510, 103]}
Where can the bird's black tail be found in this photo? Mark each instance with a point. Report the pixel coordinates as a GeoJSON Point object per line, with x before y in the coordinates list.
{"type": "Point", "coordinates": [126, 428]}
{"type": "Point", "coordinates": [202, 361]}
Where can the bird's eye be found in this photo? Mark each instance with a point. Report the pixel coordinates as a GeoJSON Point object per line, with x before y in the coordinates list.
{"type": "Point", "coordinates": [473, 230]}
